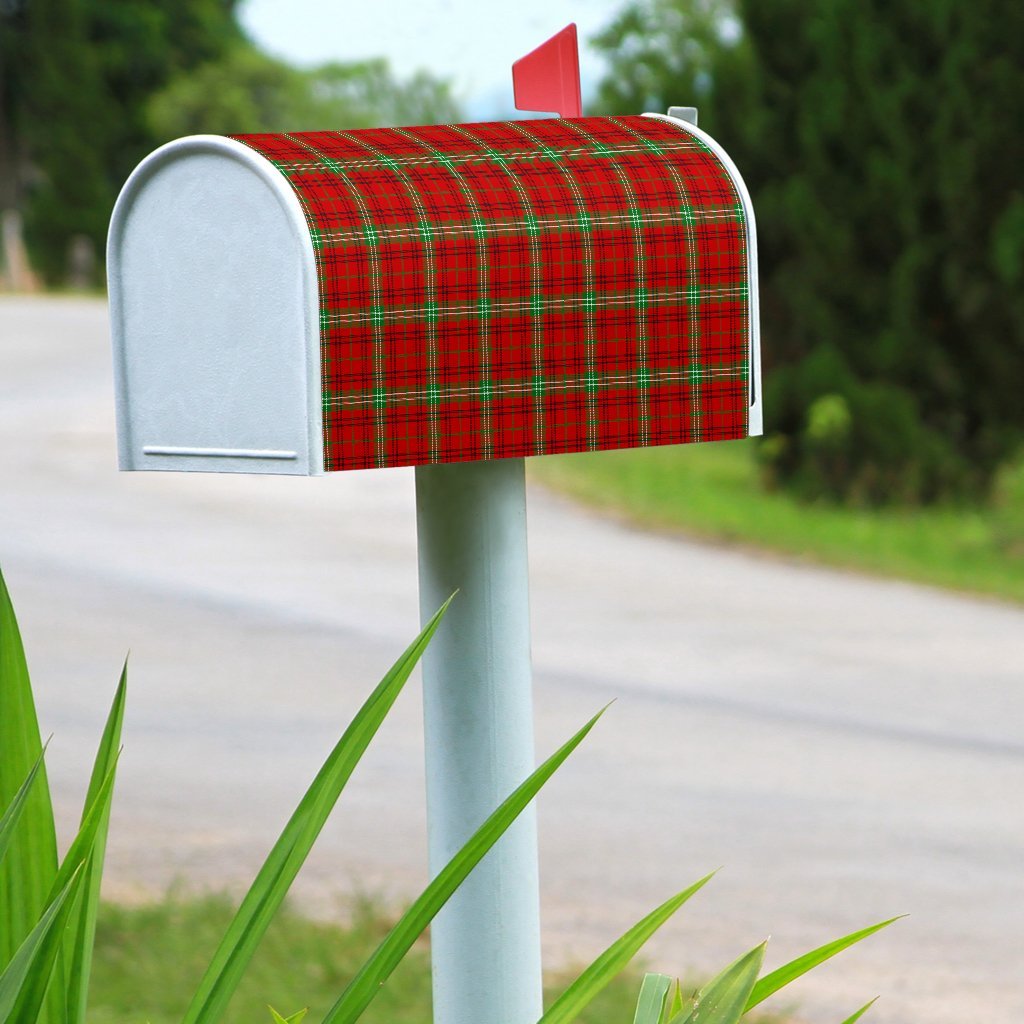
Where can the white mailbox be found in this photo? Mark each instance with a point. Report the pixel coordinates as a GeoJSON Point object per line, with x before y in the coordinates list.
{"type": "Point", "coordinates": [451, 297]}
{"type": "Point", "coordinates": [296, 303]}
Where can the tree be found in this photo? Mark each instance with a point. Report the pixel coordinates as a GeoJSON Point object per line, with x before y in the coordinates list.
{"type": "Point", "coordinates": [877, 140]}
{"type": "Point", "coordinates": [88, 87]}
{"type": "Point", "coordinates": [75, 80]}
{"type": "Point", "coordinates": [249, 91]}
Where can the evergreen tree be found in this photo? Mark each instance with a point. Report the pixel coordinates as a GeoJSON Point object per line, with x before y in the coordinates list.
{"type": "Point", "coordinates": [880, 141]}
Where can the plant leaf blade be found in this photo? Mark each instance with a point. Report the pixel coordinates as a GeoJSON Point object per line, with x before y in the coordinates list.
{"type": "Point", "coordinates": [30, 866]}
{"type": "Point", "coordinates": [676, 1003]}
{"type": "Point", "coordinates": [854, 1017]}
{"type": "Point", "coordinates": [723, 1000]}
{"type": "Point", "coordinates": [372, 975]}
{"type": "Point", "coordinates": [651, 1003]}
{"type": "Point", "coordinates": [782, 976]}
{"type": "Point", "coordinates": [274, 879]}
{"type": "Point", "coordinates": [295, 1018]}
{"type": "Point", "coordinates": [82, 931]}
{"type": "Point", "coordinates": [595, 977]}
{"type": "Point", "coordinates": [72, 867]}
{"type": "Point", "coordinates": [24, 981]}
{"type": "Point", "coordinates": [14, 810]}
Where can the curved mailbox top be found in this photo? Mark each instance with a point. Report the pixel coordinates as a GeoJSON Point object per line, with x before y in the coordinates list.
{"type": "Point", "coordinates": [446, 293]}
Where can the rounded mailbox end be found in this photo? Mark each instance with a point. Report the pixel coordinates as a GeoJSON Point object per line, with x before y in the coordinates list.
{"type": "Point", "coordinates": [214, 315]}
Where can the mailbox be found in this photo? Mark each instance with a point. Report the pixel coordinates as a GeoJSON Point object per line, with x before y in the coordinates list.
{"type": "Point", "coordinates": [310, 302]}
{"type": "Point", "coordinates": [451, 297]}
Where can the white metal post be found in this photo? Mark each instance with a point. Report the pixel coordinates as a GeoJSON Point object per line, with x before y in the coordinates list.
{"type": "Point", "coordinates": [478, 712]}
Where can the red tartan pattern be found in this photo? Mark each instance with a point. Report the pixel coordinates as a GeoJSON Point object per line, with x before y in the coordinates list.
{"type": "Point", "coordinates": [522, 288]}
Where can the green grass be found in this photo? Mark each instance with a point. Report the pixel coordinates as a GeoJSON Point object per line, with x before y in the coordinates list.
{"type": "Point", "coordinates": [149, 959]}
{"type": "Point", "coordinates": [713, 491]}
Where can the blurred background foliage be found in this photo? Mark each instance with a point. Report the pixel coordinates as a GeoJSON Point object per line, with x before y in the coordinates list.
{"type": "Point", "coordinates": [247, 87]}
{"type": "Point", "coordinates": [877, 139]}
{"type": "Point", "coordinates": [89, 87]}
{"type": "Point", "coordinates": [880, 141]}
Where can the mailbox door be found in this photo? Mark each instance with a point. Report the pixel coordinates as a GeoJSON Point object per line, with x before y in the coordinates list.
{"type": "Point", "coordinates": [213, 280]}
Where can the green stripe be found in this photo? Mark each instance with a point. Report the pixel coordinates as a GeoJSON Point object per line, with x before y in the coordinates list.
{"type": "Point", "coordinates": [483, 306]}
{"type": "Point", "coordinates": [583, 221]}
{"type": "Point", "coordinates": [542, 152]}
{"type": "Point", "coordinates": [538, 304]}
{"type": "Point", "coordinates": [636, 219]}
{"type": "Point", "coordinates": [539, 385]}
{"type": "Point", "coordinates": [423, 230]}
{"type": "Point", "coordinates": [696, 297]}
{"type": "Point", "coordinates": [378, 364]}
{"type": "Point", "coordinates": [549, 225]}
{"type": "Point", "coordinates": [535, 301]}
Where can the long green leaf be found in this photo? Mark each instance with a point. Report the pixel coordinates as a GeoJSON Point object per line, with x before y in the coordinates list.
{"type": "Point", "coordinates": [13, 813]}
{"type": "Point", "coordinates": [30, 866]}
{"type": "Point", "coordinates": [24, 981]}
{"type": "Point", "coordinates": [651, 1003]}
{"type": "Point", "coordinates": [84, 844]}
{"type": "Point", "coordinates": [372, 975]}
{"type": "Point", "coordinates": [854, 1017]}
{"type": "Point", "coordinates": [282, 864]}
{"type": "Point", "coordinates": [81, 935]}
{"type": "Point", "coordinates": [723, 1000]}
{"type": "Point", "coordinates": [73, 865]}
{"type": "Point", "coordinates": [572, 1001]}
{"type": "Point", "coordinates": [779, 978]}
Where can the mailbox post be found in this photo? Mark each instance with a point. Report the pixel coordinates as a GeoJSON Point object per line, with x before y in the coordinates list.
{"type": "Point", "coordinates": [453, 298]}
{"type": "Point", "coordinates": [478, 728]}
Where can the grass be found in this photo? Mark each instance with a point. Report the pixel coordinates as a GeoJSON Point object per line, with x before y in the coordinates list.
{"type": "Point", "coordinates": [713, 491]}
{"type": "Point", "coordinates": [149, 958]}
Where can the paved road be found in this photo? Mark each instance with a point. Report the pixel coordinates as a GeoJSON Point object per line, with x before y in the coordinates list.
{"type": "Point", "coordinates": [846, 748]}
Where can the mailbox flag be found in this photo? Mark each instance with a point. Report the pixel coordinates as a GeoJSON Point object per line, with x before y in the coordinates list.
{"type": "Point", "coordinates": [548, 78]}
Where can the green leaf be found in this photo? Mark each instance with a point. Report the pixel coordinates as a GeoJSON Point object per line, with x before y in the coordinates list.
{"type": "Point", "coordinates": [84, 843]}
{"type": "Point", "coordinates": [651, 1003]}
{"type": "Point", "coordinates": [282, 864]}
{"type": "Point", "coordinates": [82, 931]}
{"type": "Point", "coordinates": [17, 805]}
{"type": "Point", "coordinates": [30, 866]}
{"type": "Point", "coordinates": [295, 1018]}
{"type": "Point", "coordinates": [72, 866]}
{"type": "Point", "coordinates": [675, 1006]}
{"type": "Point", "coordinates": [569, 1004]}
{"type": "Point", "coordinates": [771, 983]}
{"type": "Point", "coordinates": [723, 1000]}
{"type": "Point", "coordinates": [372, 975]}
{"type": "Point", "coordinates": [853, 1018]}
{"type": "Point", "coordinates": [24, 981]}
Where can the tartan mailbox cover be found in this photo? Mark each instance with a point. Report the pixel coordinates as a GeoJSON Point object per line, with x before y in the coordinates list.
{"type": "Point", "coordinates": [305, 302]}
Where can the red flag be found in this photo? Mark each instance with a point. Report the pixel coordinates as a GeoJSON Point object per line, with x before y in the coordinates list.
{"type": "Point", "coordinates": [548, 78]}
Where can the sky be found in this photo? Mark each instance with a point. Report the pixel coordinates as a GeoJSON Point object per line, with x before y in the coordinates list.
{"type": "Point", "coordinates": [471, 42]}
